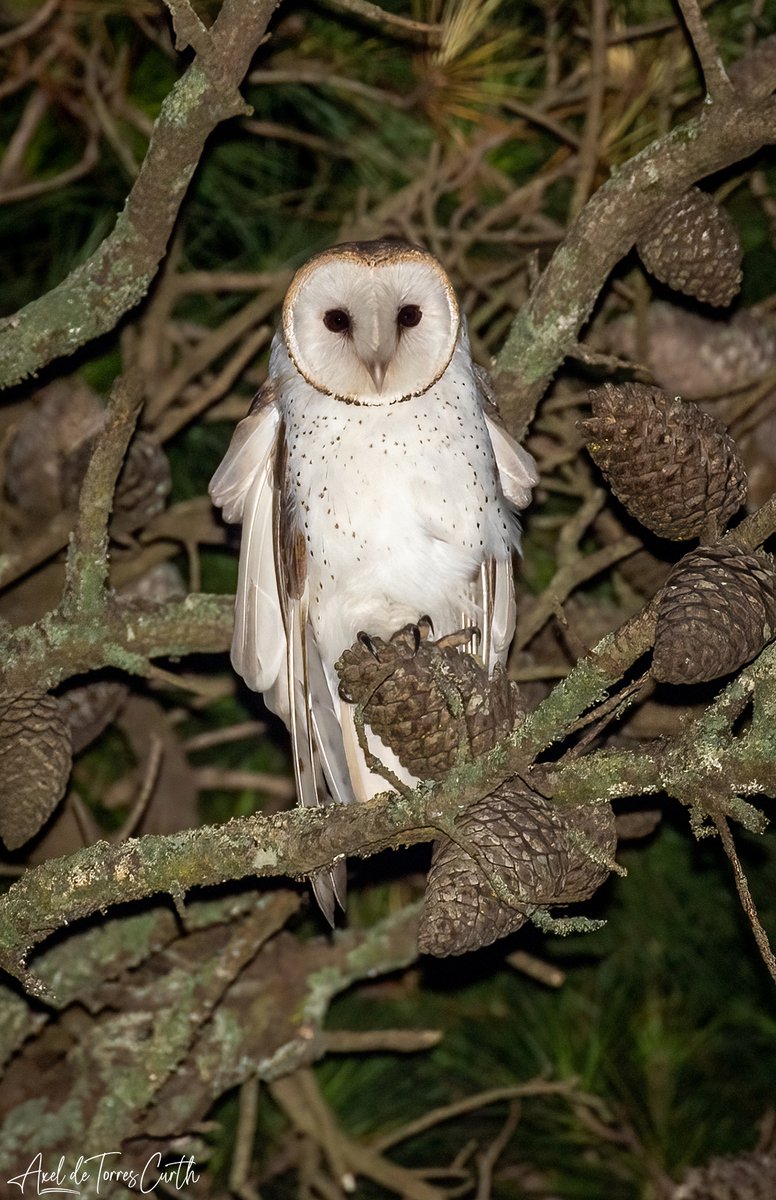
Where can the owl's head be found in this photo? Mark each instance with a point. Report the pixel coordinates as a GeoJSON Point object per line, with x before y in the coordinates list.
{"type": "Point", "coordinates": [371, 321]}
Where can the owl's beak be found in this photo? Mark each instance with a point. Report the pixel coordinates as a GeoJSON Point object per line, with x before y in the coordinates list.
{"type": "Point", "coordinates": [376, 341]}
{"type": "Point", "coordinates": [377, 368]}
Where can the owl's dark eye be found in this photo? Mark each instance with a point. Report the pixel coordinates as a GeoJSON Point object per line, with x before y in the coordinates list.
{"type": "Point", "coordinates": [409, 316]}
{"type": "Point", "coordinates": [336, 320]}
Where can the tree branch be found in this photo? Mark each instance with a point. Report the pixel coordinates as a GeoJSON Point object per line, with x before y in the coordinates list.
{"type": "Point", "coordinates": [87, 559]}
{"type": "Point", "coordinates": [547, 328]}
{"type": "Point", "coordinates": [718, 85]}
{"type": "Point", "coordinates": [93, 297]}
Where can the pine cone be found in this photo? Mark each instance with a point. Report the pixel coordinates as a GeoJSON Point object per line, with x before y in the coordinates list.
{"type": "Point", "coordinates": [693, 246]}
{"type": "Point", "coordinates": [142, 487]}
{"type": "Point", "coordinates": [717, 611]}
{"type": "Point", "coordinates": [428, 702]}
{"type": "Point", "coordinates": [50, 451]}
{"type": "Point", "coordinates": [61, 418]}
{"type": "Point", "coordinates": [533, 845]}
{"type": "Point", "coordinates": [748, 1177]}
{"type": "Point", "coordinates": [674, 467]}
{"type": "Point", "coordinates": [90, 708]}
{"type": "Point", "coordinates": [35, 752]}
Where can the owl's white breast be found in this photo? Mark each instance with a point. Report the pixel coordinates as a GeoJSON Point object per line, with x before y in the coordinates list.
{"type": "Point", "coordinates": [399, 504]}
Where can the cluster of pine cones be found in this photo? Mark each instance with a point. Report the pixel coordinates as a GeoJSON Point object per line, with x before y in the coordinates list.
{"type": "Point", "coordinates": [437, 709]}
{"type": "Point", "coordinates": [675, 468]}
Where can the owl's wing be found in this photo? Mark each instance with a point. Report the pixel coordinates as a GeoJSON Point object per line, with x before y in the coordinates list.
{"type": "Point", "coordinates": [516, 467]}
{"type": "Point", "coordinates": [243, 487]}
{"type": "Point", "coordinates": [313, 703]}
{"type": "Point", "coordinates": [272, 645]}
{"type": "Point", "coordinates": [495, 591]}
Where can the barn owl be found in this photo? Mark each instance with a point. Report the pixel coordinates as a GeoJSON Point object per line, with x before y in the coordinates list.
{"type": "Point", "coordinates": [375, 486]}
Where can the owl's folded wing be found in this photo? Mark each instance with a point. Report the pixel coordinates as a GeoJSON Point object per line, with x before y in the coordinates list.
{"type": "Point", "coordinates": [495, 593]}
{"type": "Point", "coordinates": [516, 467]}
{"type": "Point", "coordinates": [243, 486]}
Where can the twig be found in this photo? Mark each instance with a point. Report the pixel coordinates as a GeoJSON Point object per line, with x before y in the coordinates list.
{"type": "Point", "coordinates": [36, 549]}
{"type": "Point", "coordinates": [535, 116]}
{"type": "Point", "coordinates": [718, 85]}
{"type": "Point", "coordinates": [389, 1041]}
{"type": "Point", "coordinates": [286, 133]}
{"type": "Point", "coordinates": [220, 737]}
{"type": "Point", "coordinates": [322, 77]}
{"type": "Point", "coordinates": [459, 1108]}
{"type": "Point", "coordinates": [242, 1156]}
{"type": "Point", "coordinates": [744, 894]}
{"type": "Point", "coordinates": [178, 418]}
{"type": "Point", "coordinates": [215, 343]}
{"type": "Point", "coordinates": [25, 191]}
{"type": "Point", "coordinates": [151, 776]}
{"type": "Point", "coordinates": [536, 968]}
{"type": "Point", "coordinates": [487, 1160]}
{"type": "Point", "coordinates": [26, 29]}
{"type": "Point", "coordinates": [33, 113]}
{"type": "Point", "coordinates": [416, 31]}
{"type": "Point", "coordinates": [213, 779]}
{"type": "Point", "coordinates": [589, 146]}
{"type": "Point", "coordinates": [566, 579]}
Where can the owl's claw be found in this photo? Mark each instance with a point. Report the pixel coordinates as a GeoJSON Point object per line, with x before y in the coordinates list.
{"type": "Point", "coordinates": [461, 637]}
{"type": "Point", "coordinates": [425, 626]}
{"type": "Point", "coordinates": [368, 644]}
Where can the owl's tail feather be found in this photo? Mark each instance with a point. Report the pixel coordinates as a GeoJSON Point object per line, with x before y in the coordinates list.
{"type": "Point", "coordinates": [320, 766]}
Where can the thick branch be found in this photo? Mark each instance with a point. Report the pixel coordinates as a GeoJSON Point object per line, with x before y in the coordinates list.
{"type": "Point", "coordinates": [288, 843]}
{"type": "Point", "coordinates": [123, 635]}
{"type": "Point", "coordinates": [304, 840]}
{"type": "Point", "coordinates": [547, 327]}
{"type": "Point", "coordinates": [93, 298]}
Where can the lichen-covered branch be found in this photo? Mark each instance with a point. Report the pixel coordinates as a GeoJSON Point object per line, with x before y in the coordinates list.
{"type": "Point", "coordinates": [190, 1016]}
{"type": "Point", "coordinates": [124, 634]}
{"type": "Point", "coordinates": [92, 299]}
{"type": "Point", "coordinates": [87, 560]}
{"type": "Point", "coordinates": [300, 842]}
{"type": "Point", "coordinates": [547, 327]}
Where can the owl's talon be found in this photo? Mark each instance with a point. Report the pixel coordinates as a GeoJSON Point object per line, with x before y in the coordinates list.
{"type": "Point", "coordinates": [426, 626]}
{"type": "Point", "coordinates": [454, 641]}
{"type": "Point", "coordinates": [368, 644]}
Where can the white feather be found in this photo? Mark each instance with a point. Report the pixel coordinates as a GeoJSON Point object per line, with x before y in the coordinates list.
{"type": "Point", "coordinates": [243, 486]}
{"type": "Point", "coordinates": [259, 640]}
{"type": "Point", "coordinates": [516, 467]}
{"type": "Point", "coordinates": [251, 449]}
